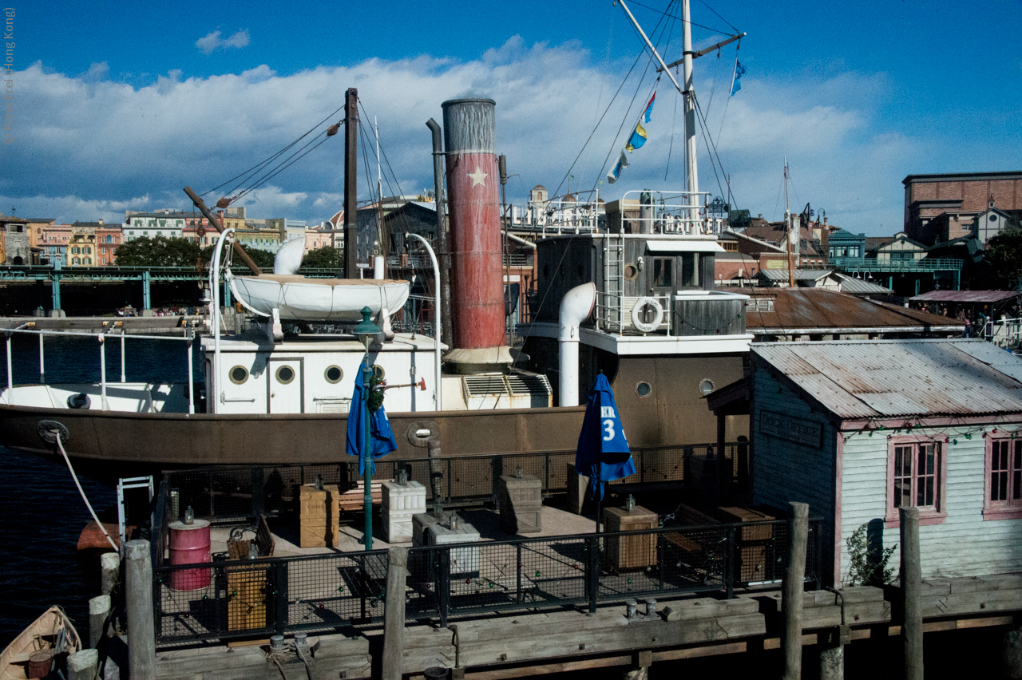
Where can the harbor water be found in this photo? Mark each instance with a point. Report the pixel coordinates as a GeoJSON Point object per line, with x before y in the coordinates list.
{"type": "Point", "coordinates": [42, 515]}
{"type": "Point", "coordinates": [41, 512]}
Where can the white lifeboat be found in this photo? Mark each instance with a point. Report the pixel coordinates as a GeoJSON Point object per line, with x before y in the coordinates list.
{"type": "Point", "coordinates": [298, 298]}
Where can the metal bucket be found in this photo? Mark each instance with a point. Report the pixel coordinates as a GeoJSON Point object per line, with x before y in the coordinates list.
{"type": "Point", "coordinates": [189, 544]}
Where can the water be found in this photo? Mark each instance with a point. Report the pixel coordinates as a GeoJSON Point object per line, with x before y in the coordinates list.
{"type": "Point", "coordinates": [42, 515]}
{"type": "Point", "coordinates": [41, 512]}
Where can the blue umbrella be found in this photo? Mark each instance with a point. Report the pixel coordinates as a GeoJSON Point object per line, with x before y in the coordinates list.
{"type": "Point", "coordinates": [602, 454]}
{"type": "Point", "coordinates": [379, 429]}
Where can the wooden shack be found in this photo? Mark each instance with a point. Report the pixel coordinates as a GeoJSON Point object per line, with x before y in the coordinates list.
{"type": "Point", "coordinates": [858, 429]}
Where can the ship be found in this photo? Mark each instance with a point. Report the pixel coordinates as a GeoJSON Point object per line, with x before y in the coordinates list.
{"type": "Point", "coordinates": [632, 297]}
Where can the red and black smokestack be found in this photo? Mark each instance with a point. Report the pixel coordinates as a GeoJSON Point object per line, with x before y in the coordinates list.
{"type": "Point", "coordinates": [477, 295]}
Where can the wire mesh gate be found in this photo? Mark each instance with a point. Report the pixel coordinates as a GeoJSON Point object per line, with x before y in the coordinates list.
{"type": "Point", "coordinates": [246, 598]}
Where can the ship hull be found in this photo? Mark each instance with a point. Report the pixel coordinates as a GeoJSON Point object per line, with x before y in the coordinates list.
{"type": "Point", "coordinates": [107, 445]}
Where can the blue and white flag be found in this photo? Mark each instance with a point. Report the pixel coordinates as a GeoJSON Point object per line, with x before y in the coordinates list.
{"type": "Point", "coordinates": [635, 141]}
{"type": "Point", "coordinates": [615, 172]}
{"type": "Point", "coordinates": [736, 83]}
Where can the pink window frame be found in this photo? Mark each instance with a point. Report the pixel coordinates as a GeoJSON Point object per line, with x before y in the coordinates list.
{"type": "Point", "coordinates": [927, 516]}
{"type": "Point", "coordinates": [1001, 509]}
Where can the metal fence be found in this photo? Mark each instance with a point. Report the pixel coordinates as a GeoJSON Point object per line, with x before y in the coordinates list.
{"type": "Point", "coordinates": [244, 598]}
{"type": "Point", "coordinates": [231, 494]}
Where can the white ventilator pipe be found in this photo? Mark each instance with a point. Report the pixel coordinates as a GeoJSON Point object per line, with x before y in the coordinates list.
{"type": "Point", "coordinates": [215, 316]}
{"type": "Point", "coordinates": [436, 313]}
{"type": "Point", "coordinates": [576, 307]}
{"type": "Point", "coordinates": [378, 267]}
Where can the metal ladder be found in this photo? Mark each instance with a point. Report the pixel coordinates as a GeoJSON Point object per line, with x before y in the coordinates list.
{"type": "Point", "coordinates": [614, 280]}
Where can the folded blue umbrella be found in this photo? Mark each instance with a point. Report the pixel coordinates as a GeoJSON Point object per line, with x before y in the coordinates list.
{"type": "Point", "coordinates": [382, 438]}
{"type": "Point", "coordinates": [602, 453]}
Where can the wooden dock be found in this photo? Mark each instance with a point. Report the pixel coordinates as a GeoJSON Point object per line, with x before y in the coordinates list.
{"type": "Point", "coordinates": [529, 644]}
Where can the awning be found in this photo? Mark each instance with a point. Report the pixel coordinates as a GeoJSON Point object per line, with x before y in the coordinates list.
{"type": "Point", "coordinates": [684, 247]}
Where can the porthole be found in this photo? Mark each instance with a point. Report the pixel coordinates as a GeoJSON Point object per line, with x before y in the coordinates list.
{"type": "Point", "coordinates": [285, 374]}
{"type": "Point", "coordinates": [631, 272]}
{"type": "Point", "coordinates": [379, 373]}
{"type": "Point", "coordinates": [239, 374]}
{"type": "Point", "coordinates": [333, 374]}
{"type": "Point", "coordinates": [706, 386]}
{"type": "Point", "coordinates": [643, 389]}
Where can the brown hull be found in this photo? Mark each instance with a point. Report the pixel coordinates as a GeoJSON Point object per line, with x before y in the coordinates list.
{"type": "Point", "coordinates": [107, 445]}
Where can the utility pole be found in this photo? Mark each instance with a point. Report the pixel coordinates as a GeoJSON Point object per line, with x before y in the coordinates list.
{"type": "Point", "coordinates": [787, 222]}
{"type": "Point", "coordinates": [350, 183]}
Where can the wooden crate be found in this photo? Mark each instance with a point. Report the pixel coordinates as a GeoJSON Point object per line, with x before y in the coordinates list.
{"type": "Point", "coordinates": [631, 552]}
{"type": "Point", "coordinates": [247, 594]}
{"type": "Point", "coordinates": [318, 512]}
{"type": "Point", "coordinates": [755, 533]}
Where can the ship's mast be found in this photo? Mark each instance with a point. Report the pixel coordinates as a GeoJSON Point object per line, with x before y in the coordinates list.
{"type": "Point", "coordinates": [688, 95]}
{"type": "Point", "coordinates": [691, 170]}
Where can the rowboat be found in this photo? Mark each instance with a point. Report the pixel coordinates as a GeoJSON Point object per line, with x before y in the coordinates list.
{"type": "Point", "coordinates": [49, 638]}
{"type": "Point", "coordinates": [299, 298]}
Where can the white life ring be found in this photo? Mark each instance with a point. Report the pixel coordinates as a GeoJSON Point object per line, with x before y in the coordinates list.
{"type": "Point", "coordinates": [640, 304]}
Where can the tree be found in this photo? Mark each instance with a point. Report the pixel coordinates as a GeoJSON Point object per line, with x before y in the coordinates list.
{"type": "Point", "coordinates": [1004, 259]}
{"type": "Point", "coordinates": [262, 258]}
{"type": "Point", "coordinates": [323, 258]}
{"type": "Point", "coordinates": [157, 252]}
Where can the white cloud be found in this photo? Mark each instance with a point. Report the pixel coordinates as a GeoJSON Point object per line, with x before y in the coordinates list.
{"type": "Point", "coordinates": [96, 72]}
{"type": "Point", "coordinates": [212, 41]}
{"type": "Point", "coordinates": [92, 145]}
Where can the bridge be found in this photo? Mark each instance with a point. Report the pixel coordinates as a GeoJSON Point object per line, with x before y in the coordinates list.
{"type": "Point", "coordinates": [57, 275]}
{"type": "Point", "coordinates": [888, 268]}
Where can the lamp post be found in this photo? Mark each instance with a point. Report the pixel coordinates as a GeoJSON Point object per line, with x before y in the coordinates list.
{"type": "Point", "coordinates": [366, 331]}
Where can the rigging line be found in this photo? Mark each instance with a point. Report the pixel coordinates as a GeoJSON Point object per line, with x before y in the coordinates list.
{"type": "Point", "coordinates": [383, 152]}
{"type": "Point", "coordinates": [719, 16]}
{"type": "Point", "coordinates": [599, 176]}
{"type": "Point", "coordinates": [691, 23]}
{"type": "Point", "coordinates": [628, 111]}
{"type": "Point", "coordinates": [711, 148]}
{"type": "Point", "coordinates": [275, 170]}
{"type": "Point", "coordinates": [281, 168]}
{"type": "Point", "coordinates": [268, 160]}
{"type": "Point", "coordinates": [600, 121]}
{"type": "Point", "coordinates": [674, 127]}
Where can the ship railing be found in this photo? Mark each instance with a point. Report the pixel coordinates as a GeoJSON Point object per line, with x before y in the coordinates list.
{"type": "Point", "coordinates": [113, 330]}
{"type": "Point", "coordinates": [1005, 333]}
{"type": "Point", "coordinates": [226, 599]}
{"type": "Point", "coordinates": [616, 313]}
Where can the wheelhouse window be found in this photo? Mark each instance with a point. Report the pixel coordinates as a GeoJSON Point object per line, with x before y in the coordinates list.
{"type": "Point", "coordinates": [689, 271]}
{"type": "Point", "coordinates": [662, 273]}
{"type": "Point", "coordinates": [1003, 479]}
{"type": "Point", "coordinates": [916, 478]}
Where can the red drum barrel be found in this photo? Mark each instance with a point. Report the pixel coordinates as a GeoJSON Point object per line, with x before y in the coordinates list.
{"type": "Point", "coordinates": [189, 544]}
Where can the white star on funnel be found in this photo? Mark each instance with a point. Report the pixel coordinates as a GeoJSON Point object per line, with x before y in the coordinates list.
{"type": "Point", "coordinates": [478, 177]}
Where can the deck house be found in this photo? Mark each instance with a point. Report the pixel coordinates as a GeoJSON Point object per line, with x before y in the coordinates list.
{"type": "Point", "coordinates": [858, 429]}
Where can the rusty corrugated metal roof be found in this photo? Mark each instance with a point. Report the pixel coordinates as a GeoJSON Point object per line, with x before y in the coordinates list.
{"type": "Point", "coordinates": [965, 296]}
{"type": "Point", "coordinates": [896, 378]}
{"type": "Point", "coordinates": [808, 308]}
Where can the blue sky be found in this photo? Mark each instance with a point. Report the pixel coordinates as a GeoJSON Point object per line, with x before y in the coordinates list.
{"type": "Point", "coordinates": [118, 105]}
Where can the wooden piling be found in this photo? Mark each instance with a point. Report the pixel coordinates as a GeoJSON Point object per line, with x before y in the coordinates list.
{"type": "Point", "coordinates": [139, 603]}
{"type": "Point", "coordinates": [83, 665]}
{"type": "Point", "coordinates": [911, 576]}
{"type": "Point", "coordinates": [832, 655]}
{"type": "Point", "coordinates": [394, 623]}
{"type": "Point", "coordinates": [792, 589]}
{"type": "Point", "coordinates": [99, 611]}
{"type": "Point", "coordinates": [110, 567]}
{"type": "Point", "coordinates": [1011, 651]}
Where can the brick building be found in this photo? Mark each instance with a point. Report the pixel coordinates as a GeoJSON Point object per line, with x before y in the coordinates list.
{"type": "Point", "coordinates": [941, 208]}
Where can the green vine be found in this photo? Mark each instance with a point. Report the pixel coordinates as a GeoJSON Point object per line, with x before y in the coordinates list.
{"type": "Point", "coordinates": [869, 564]}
